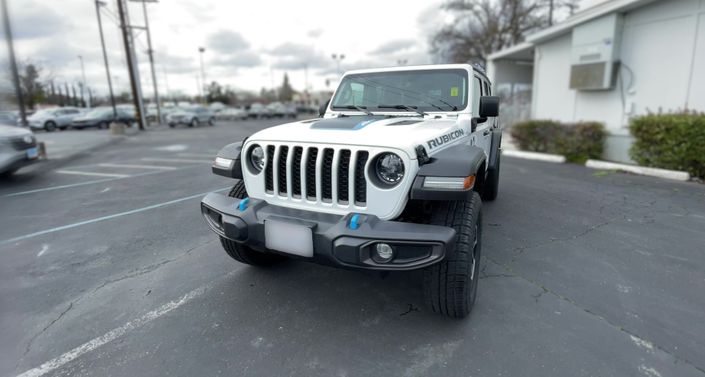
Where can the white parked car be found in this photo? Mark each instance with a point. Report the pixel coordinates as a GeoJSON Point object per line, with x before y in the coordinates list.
{"type": "Point", "coordinates": [191, 116]}
{"type": "Point", "coordinates": [52, 119]}
{"type": "Point", "coordinates": [391, 177]}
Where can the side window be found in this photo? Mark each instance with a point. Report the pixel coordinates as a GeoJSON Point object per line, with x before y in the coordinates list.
{"type": "Point", "coordinates": [476, 94]}
{"type": "Point", "coordinates": [487, 91]}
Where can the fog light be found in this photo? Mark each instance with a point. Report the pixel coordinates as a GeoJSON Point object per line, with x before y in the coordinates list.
{"type": "Point", "coordinates": [384, 253]}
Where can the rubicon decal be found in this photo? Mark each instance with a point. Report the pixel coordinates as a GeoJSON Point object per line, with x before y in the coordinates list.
{"type": "Point", "coordinates": [444, 139]}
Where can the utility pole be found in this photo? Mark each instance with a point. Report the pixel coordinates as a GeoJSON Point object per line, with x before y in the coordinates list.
{"type": "Point", "coordinates": [132, 63]}
{"type": "Point", "coordinates": [13, 63]}
{"type": "Point", "coordinates": [150, 52]}
{"type": "Point", "coordinates": [98, 4]}
{"type": "Point", "coordinates": [550, 12]}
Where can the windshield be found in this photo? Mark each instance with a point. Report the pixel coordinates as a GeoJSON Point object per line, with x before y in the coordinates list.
{"type": "Point", "coordinates": [425, 90]}
{"type": "Point", "coordinates": [45, 112]}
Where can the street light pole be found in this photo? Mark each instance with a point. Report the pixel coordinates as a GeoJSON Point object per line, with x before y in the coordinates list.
{"type": "Point", "coordinates": [13, 63]}
{"type": "Point", "coordinates": [98, 4]}
{"type": "Point", "coordinates": [201, 50]}
{"type": "Point", "coordinates": [83, 84]}
{"type": "Point", "coordinates": [338, 58]}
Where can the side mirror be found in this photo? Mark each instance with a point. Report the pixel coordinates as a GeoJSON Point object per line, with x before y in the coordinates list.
{"type": "Point", "coordinates": [322, 109]}
{"type": "Point", "coordinates": [489, 106]}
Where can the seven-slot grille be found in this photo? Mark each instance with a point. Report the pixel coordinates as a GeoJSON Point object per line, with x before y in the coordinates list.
{"type": "Point", "coordinates": [329, 175]}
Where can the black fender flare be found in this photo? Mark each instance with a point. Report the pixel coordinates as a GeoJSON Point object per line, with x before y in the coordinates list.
{"type": "Point", "coordinates": [457, 161]}
{"type": "Point", "coordinates": [231, 152]}
{"type": "Point", "coordinates": [496, 149]}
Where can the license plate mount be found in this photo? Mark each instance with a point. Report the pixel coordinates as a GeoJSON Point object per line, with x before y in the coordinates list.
{"type": "Point", "coordinates": [289, 237]}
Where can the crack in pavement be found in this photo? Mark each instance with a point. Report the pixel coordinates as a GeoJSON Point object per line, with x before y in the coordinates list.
{"type": "Point", "coordinates": [601, 318]}
{"type": "Point", "coordinates": [31, 340]}
{"type": "Point", "coordinates": [131, 274]}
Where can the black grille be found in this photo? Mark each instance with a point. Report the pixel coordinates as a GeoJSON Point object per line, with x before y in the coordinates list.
{"type": "Point", "coordinates": [281, 174]}
{"type": "Point", "coordinates": [311, 173]}
{"type": "Point", "coordinates": [343, 170]}
{"type": "Point", "coordinates": [268, 176]}
{"type": "Point", "coordinates": [327, 175]}
{"type": "Point", "coordinates": [296, 172]}
{"type": "Point", "coordinates": [360, 182]}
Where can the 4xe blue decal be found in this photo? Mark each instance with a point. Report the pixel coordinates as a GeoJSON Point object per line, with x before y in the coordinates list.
{"type": "Point", "coordinates": [363, 124]}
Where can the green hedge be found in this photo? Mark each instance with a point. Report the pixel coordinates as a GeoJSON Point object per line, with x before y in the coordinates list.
{"type": "Point", "coordinates": [670, 141]}
{"type": "Point", "coordinates": [577, 142]}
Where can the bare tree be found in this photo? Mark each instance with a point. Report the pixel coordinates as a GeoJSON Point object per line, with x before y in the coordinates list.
{"type": "Point", "coordinates": [484, 26]}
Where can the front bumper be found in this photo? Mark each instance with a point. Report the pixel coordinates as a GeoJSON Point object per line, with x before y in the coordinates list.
{"type": "Point", "coordinates": [334, 242]}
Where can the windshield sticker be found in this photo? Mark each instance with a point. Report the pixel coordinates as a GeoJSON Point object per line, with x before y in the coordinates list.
{"type": "Point", "coordinates": [444, 139]}
{"type": "Point", "coordinates": [454, 91]}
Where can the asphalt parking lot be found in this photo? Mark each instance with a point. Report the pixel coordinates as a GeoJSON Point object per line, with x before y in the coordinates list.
{"type": "Point", "coordinates": [106, 268]}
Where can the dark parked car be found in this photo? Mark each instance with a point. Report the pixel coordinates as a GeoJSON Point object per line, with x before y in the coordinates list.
{"type": "Point", "coordinates": [18, 148]}
{"type": "Point", "coordinates": [101, 117]}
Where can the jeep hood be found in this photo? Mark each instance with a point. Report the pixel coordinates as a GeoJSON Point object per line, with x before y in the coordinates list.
{"type": "Point", "coordinates": [403, 133]}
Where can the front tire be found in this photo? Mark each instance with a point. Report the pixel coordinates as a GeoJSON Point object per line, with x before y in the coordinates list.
{"type": "Point", "coordinates": [450, 287]}
{"type": "Point", "coordinates": [242, 253]}
{"type": "Point", "coordinates": [194, 123]}
{"type": "Point", "coordinates": [50, 126]}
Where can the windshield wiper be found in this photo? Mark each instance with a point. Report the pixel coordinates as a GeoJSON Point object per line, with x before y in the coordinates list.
{"type": "Point", "coordinates": [403, 107]}
{"type": "Point", "coordinates": [359, 108]}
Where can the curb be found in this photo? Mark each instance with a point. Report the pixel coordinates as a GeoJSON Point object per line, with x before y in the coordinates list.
{"type": "Point", "coordinates": [641, 170]}
{"type": "Point", "coordinates": [546, 157]}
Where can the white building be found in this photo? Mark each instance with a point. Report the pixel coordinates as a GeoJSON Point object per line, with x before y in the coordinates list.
{"type": "Point", "coordinates": [608, 63]}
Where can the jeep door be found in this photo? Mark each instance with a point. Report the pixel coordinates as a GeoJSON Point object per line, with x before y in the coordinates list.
{"type": "Point", "coordinates": [483, 132]}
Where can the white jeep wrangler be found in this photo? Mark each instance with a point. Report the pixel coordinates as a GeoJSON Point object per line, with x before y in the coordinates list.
{"type": "Point", "coordinates": [390, 178]}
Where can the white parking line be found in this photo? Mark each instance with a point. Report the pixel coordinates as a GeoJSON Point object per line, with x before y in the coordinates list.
{"type": "Point", "coordinates": [155, 159]}
{"type": "Point", "coordinates": [130, 166]}
{"type": "Point", "coordinates": [116, 333]}
{"type": "Point", "coordinates": [52, 188]}
{"type": "Point", "coordinates": [76, 172]}
{"type": "Point", "coordinates": [102, 218]}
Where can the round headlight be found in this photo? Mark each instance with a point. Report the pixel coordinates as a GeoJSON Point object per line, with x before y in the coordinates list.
{"type": "Point", "coordinates": [257, 158]}
{"type": "Point", "coordinates": [389, 168]}
{"type": "Point", "coordinates": [28, 139]}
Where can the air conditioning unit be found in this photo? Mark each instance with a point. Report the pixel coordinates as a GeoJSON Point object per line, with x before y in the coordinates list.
{"type": "Point", "coordinates": [595, 53]}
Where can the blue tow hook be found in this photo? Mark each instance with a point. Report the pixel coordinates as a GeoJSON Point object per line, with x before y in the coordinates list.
{"type": "Point", "coordinates": [355, 221]}
{"type": "Point", "coordinates": [243, 204]}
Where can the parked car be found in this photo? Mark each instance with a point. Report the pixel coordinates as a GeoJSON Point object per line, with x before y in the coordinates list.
{"type": "Point", "coordinates": [50, 120]}
{"type": "Point", "coordinates": [280, 110]}
{"type": "Point", "coordinates": [18, 148]}
{"type": "Point", "coordinates": [101, 117]}
{"type": "Point", "coordinates": [258, 110]}
{"type": "Point", "coordinates": [191, 116]}
{"type": "Point", "coordinates": [231, 113]}
{"type": "Point", "coordinates": [9, 118]}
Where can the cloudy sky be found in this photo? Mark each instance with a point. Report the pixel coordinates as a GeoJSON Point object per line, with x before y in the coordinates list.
{"type": "Point", "coordinates": [249, 44]}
